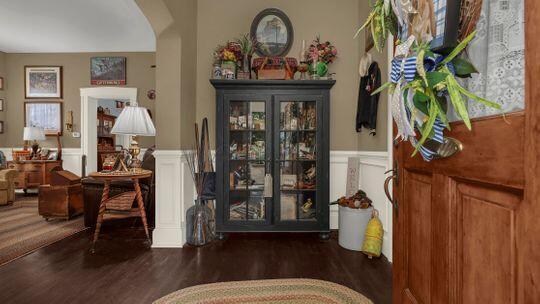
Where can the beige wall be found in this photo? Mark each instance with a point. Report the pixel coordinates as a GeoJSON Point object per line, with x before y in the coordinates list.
{"type": "Point", "coordinates": [175, 25]}
{"type": "Point", "coordinates": [3, 94]}
{"type": "Point", "coordinates": [76, 75]}
{"type": "Point", "coordinates": [337, 21]}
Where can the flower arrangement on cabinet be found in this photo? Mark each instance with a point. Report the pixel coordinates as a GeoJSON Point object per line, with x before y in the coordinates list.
{"type": "Point", "coordinates": [320, 55]}
{"type": "Point", "coordinates": [226, 58]}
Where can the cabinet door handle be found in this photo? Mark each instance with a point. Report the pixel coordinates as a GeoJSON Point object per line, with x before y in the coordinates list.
{"type": "Point", "coordinates": [268, 186]}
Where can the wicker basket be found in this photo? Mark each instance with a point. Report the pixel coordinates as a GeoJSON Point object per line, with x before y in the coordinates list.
{"type": "Point", "coordinates": [469, 16]}
{"type": "Point", "coordinates": [121, 202]}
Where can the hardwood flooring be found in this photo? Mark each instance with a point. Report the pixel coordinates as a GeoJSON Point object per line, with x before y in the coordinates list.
{"type": "Point", "coordinates": [125, 270]}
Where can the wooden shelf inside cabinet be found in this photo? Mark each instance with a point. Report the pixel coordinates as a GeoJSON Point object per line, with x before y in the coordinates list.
{"type": "Point", "coordinates": [265, 128]}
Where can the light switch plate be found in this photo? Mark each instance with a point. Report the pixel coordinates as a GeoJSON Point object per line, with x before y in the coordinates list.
{"type": "Point", "coordinates": [76, 134]}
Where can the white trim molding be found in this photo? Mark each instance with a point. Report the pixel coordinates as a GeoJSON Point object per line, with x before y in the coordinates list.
{"type": "Point", "coordinates": [174, 195]}
{"type": "Point", "coordinates": [89, 104]}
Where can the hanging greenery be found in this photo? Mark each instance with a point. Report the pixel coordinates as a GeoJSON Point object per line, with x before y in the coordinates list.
{"type": "Point", "coordinates": [423, 83]}
{"type": "Point", "coordinates": [381, 22]}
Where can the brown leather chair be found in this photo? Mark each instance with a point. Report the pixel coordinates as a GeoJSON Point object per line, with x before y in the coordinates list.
{"type": "Point", "coordinates": [7, 186]}
{"type": "Point", "coordinates": [93, 189]}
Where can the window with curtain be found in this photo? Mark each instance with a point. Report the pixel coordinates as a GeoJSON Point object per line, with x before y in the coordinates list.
{"type": "Point", "coordinates": [498, 52]}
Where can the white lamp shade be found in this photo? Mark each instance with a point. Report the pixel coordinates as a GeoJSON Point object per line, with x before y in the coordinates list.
{"type": "Point", "coordinates": [134, 121]}
{"type": "Point", "coordinates": [33, 133]}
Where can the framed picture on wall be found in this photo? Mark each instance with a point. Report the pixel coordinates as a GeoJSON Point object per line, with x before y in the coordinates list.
{"type": "Point", "coordinates": [46, 115]}
{"type": "Point", "coordinates": [273, 32]}
{"type": "Point", "coordinates": [1, 83]}
{"type": "Point", "coordinates": [108, 71]}
{"type": "Point", "coordinates": [1, 127]}
{"type": "Point", "coordinates": [1, 104]}
{"type": "Point", "coordinates": [42, 82]}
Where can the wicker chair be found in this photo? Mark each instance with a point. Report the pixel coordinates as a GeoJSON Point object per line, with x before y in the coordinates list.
{"type": "Point", "coordinates": [7, 186]}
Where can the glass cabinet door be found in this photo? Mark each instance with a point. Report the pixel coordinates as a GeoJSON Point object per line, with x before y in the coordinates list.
{"type": "Point", "coordinates": [246, 162]}
{"type": "Point", "coordinates": [296, 152]}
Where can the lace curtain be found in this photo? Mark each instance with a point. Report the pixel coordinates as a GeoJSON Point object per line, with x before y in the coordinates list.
{"type": "Point", "coordinates": [498, 52]}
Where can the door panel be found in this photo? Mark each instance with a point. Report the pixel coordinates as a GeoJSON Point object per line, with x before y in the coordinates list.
{"type": "Point", "coordinates": [486, 244]}
{"type": "Point", "coordinates": [298, 155]}
{"type": "Point", "coordinates": [457, 218]}
{"type": "Point", "coordinates": [418, 227]}
{"type": "Point", "coordinates": [247, 142]}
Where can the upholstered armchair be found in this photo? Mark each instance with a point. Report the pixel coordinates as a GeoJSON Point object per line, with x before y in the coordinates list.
{"type": "Point", "coordinates": [7, 186]}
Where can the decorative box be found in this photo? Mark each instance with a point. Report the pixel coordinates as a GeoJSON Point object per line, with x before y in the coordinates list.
{"type": "Point", "coordinates": [278, 68]}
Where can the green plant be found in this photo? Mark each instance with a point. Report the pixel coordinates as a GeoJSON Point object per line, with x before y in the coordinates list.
{"type": "Point", "coordinates": [437, 85]}
{"type": "Point", "coordinates": [381, 22]}
{"type": "Point", "coordinates": [248, 45]}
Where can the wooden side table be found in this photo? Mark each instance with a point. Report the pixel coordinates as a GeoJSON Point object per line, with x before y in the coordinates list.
{"type": "Point", "coordinates": [120, 206]}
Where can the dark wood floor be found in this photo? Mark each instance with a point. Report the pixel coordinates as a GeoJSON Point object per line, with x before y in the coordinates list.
{"type": "Point", "coordinates": [124, 270]}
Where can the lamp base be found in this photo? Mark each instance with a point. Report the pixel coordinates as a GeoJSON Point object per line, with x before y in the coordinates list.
{"type": "Point", "coordinates": [135, 150]}
{"type": "Point", "coordinates": [35, 150]}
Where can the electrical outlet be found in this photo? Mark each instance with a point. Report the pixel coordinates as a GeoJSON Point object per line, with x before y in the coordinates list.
{"type": "Point", "coordinates": [76, 134]}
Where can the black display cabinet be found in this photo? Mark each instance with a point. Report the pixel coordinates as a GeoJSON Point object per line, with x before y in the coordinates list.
{"type": "Point", "coordinates": [272, 155]}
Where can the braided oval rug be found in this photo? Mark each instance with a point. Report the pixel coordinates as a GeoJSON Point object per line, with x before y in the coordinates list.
{"type": "Point", "coordinates": [282, 291]}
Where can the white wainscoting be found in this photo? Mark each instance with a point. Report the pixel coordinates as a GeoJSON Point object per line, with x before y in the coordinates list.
{"type": "Point", "coordinates": [372, 168]}
{"type": "Point", "coordinates": [175, 191]}
{"type": "Point", "coordinates": [174, 195]}
{"type": "Point", "coordinates": [71, 158]}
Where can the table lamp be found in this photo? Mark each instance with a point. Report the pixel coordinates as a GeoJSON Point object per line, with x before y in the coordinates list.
{"type": "Point", "coordinates": [34, 134]}
{"type": "Point", "coordinates": [134, 121]}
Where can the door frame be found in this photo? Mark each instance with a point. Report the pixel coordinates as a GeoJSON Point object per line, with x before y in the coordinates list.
{"type": "Point", "coordinates": [89, 100]}
{"type": "Point", "coordinates": [529, 231]}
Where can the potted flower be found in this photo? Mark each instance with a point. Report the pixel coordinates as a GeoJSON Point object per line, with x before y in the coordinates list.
{"type": "Point", "coordinates": [321, 54]}
{"type": "Point", "coordinates": [248, 45]}
{"type": "Point", "coordinates": [228, 55]}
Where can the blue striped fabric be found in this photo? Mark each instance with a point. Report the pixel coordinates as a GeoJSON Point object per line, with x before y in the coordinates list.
{"type": "Point", "coordinates": [438, 136]}
{"type": "Point", "coordinates": [403, 67]}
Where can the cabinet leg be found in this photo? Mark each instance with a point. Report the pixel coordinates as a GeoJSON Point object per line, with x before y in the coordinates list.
{"type": "Point", "coordinates": [221, 236]}
{"type": "Point", "coordinates": [325, 236]}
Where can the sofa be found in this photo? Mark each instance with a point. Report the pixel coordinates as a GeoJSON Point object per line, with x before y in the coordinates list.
{"type": "Point", "coordinates": [7, 186]}
{"type": "Point", "coordinates": [93, 189]}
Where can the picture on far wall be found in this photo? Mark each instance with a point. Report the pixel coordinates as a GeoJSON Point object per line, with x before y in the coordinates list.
{"type": "Point", "coordinates": [1, 104]}
{"type": "Point", "coordinates": [46, 115]}
{"type": "Point", "coordinates": [1, 127]}
{"type": "Point", "coordinates": [43, 82]}
{"type": "Point", "coordinates": [1, 83]}
{"type": "Point", "coordinates": [108, 71]}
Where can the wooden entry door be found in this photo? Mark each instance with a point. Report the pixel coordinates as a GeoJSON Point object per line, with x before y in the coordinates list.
{"type": "Point", "coordinates": [467, 228]}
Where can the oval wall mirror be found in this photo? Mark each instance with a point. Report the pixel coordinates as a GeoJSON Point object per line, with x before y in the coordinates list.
{"type": "Point", "coordinates": [273, 31]}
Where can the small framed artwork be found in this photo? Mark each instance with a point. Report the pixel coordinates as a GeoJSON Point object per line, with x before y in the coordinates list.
{"type": "Point", "coordinates": [1, 104]}
{"type": "Point", "coordinates": [108, 71]}
{"type": "Point", "coordinates": [46, 115]}
{"type": "Point", "coordinates": [1, 127]}
{"type": "Point", "coordinates": [43, 82]}
{"type": "Point", "coordinates": [1, 83]}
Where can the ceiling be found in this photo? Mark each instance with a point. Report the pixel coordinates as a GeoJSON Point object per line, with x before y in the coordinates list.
{"type": "Point", "coordinates": [58, 26]}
